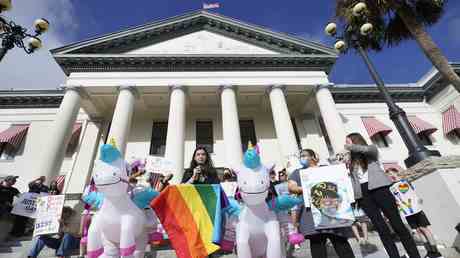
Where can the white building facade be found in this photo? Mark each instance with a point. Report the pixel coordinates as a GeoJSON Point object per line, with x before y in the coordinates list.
{"type": "Point", "coordinates": [204, 79]}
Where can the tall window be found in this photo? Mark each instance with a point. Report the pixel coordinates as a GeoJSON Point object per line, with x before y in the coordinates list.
{"type": "Point", "coordinates": [424, 138]}
{"type": "Point", "coordinates": [248, 133]}
{"type": "Point", "coordinates": [204, 135]}
{"type": "Point", "coordinates": [158, 142]}
{"type": "Point", "coordinates": [7, 151]}
{"type": "Point", "coordinates": [380, 140]}
{"type": "Point", "coordinates": [296, 132]}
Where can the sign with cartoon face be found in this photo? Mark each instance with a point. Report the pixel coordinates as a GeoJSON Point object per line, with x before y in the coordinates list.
{"type": "Point", "coordinates": [329, 193]}
{"type": "Point", "coordinates": [49, 211]}
{"type": "Point", "coordinates": [406, 199]}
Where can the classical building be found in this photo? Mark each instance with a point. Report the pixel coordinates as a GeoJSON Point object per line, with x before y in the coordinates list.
{"type": "Point", "coordinates": [204, 79]}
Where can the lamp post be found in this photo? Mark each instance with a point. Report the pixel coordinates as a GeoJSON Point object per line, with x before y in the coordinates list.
{"type": "Point", "coordinates": [12, 35]}
{"type": "Point", "coordinates": [417, 151]}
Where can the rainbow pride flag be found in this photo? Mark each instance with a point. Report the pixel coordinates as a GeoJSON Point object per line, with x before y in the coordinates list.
{"type": "Point", "coordinates": [192, 217]}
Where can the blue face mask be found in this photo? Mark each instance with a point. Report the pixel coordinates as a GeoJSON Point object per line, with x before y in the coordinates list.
{"type": "Point", "coordinates": [305, 163]}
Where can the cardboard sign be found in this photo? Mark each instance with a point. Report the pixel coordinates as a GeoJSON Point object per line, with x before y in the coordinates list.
{"type": "Point", "coordinates": [158, 165]}
{"type": "Point", "coordinates": [329, 193]}
{"type": "Point", "coordinates": [49, 211]}
{"type": "Point", "coordinates": [229, 188]}
{"type": "Point", "coordinates": [406, 199]}
{"type": "Point", "coordinates": [26, 205]}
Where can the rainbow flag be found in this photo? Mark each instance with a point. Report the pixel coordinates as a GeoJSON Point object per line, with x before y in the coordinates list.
{"type": "Point", "coordinates": [192, 217]}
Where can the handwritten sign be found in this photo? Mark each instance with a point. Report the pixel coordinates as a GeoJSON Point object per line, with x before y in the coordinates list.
{"type": "Point", "coordinates": [229, 188]}
{"type": "Point", "coordinates": [25, 205]}
{"type": "Point", "coordinates": [406, 199]}
{"type": "Point", "coordinates": [329, 193]}
{"type": "Point", "coordinates": [49, 211]}
{"type": "Point", "coordinates": [158, 165]}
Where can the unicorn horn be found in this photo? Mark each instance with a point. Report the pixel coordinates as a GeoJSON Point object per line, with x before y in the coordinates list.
{"type": "Point", "coordinates": [113, 142]}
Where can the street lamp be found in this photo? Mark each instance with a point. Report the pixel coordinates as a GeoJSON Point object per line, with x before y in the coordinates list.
{"type": "Point", "coordinates": [417, 152]}
{"type": "Point", "coordinates": [12, 34]}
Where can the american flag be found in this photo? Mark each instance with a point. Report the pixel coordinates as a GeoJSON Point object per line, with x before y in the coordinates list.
{"type": "Point", "coordinates": [211, 5]}
{"type": "Point", "coordinates": [60, 182]}
{"type": "Point", "coordinates": [154, 179]}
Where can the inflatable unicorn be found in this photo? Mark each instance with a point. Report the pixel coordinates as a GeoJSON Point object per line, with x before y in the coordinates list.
{"type": "Point", "coordinates": [119, 227]}
{"type": "Point", "coordinates": [258, 228]}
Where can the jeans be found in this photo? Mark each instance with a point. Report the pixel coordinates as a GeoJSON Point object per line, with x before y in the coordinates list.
{"type": "Point", "coordinates": [319, 250]}
{"type": "Point", "coordinates": [63, 246]}
{"type": "Point", "coordinates": [382, 200]}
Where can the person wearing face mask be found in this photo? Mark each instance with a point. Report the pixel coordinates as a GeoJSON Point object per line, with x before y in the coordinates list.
{"type": "Point", "coordinates": [318, 238]}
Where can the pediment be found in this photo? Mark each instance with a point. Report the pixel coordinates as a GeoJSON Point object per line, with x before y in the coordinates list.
{"type": "Point", "coordinates": [202, 43]}
{"type": "Point", "coordinates": [200, 32]}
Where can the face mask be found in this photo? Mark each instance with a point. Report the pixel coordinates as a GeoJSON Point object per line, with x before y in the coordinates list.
{"type": "Point", "coordinates": [305, 163]}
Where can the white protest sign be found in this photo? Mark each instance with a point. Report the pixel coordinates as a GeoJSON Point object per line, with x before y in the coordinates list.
{"type": "Point", "coordinates": [158, 165]}
{"type": "Point", "coordinates": [25, 205]}
{"type": "Point", "coordinates": [406, 199]}
{"type": "Point", "coordinates": [229, 188]}
{"type": "Point", "coordinates": [329, 193]}
{"type": "Point", "coordinates": [49, 211]}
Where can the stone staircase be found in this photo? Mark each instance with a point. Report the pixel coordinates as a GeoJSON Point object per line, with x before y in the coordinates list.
{"type": "Point", "coordinates": [19, 248]}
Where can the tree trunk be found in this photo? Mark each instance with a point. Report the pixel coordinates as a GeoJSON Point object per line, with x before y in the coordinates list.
{"type": "Point", "coordinates": [429, 47]}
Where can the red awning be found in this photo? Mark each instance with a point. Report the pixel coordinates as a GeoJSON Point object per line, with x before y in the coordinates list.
{"type": "Point", "coordinates": [421, 126]}
{"type": "Point", "coordinates": [14, 135]}
{"type": "Point", "coordinates": [374, 126]}
{"type": "Point", "coordinates": [60, 182]}
{"type": "Point", "coordinates": [450, 120]}
{"type": "Point", "coordinates": [395, 165]}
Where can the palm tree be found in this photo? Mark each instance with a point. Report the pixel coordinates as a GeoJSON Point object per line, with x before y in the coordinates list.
{"type": "Point", "coordinates": [395, 21]}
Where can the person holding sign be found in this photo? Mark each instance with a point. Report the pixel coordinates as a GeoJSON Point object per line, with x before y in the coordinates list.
{"type": "Point", "coordinates": [409, 206]}
{"type": "Point", "coordinates": [67, 240]}
{"type": "Point", "coordinates": [201, 169]}
{"type": "Point", "coordinates": [371, 188]}
{"type": "Point", "coordinates": [318, 238]}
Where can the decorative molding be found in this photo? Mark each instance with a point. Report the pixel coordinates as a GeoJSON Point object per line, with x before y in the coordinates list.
{"type": "Point", "coordinates": [169, 63]}
{"type": "Point", "coordinates": [373, 95]}
{"type": "Point", "coordinates": [77, 88]}
{"type": "Point", "coordinates": [11, 99]}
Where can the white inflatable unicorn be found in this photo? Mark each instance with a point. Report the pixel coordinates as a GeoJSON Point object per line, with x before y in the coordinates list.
{"type": "Point", "coordinates": [258, 229]}
{"type": "Point", "coordinates": [119, 227]}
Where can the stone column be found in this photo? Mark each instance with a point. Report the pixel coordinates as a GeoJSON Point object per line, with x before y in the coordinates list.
{"type": "Point", "coordinates": [331, 117]}
{"type": "Point", "coordinates": [175, 138]}
{"type": "Point", "coordinates": [122, 116]}
{"type": "Point", "coordinates": [59, 134]}
{"type": "Point", "coordinates": [282, 119]}
{"type": "Point", "coordinates": [231, 127]}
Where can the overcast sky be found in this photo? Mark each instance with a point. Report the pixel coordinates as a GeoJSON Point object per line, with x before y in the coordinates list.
{"type": "Point", "coordinates": [73, 20]}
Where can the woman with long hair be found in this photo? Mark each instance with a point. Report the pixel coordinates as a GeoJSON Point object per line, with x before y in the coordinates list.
{"type": "Point", "coordinates": [318, 238]}
{"type": "Point", "coordinates": [371, 187]}
{"type": "Point", "coordinates": [201, 170]}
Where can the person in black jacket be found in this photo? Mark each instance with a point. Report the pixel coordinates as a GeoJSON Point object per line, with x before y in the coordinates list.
{"type": "Point", "coordinates": [201, 170]}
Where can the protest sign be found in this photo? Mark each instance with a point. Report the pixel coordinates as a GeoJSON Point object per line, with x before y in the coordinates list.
{"type": "Point", "coordinates": [406, 199]}
{"type": "Point", "coordinates": [25, 205]}
{"type": "Point", "coordinates": [49, 210]}
{"type": "Point", "coordinates": [329, 193]}
{"type": "Point", "coordinates": [229, 188]}
{"type": "Point", "coordinates": [158, 165]}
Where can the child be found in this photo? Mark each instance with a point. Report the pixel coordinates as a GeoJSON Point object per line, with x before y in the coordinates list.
{"type": "Point", "coordinates": [360, 222]}
{"type": "Point", "coordinates": [415, 217]}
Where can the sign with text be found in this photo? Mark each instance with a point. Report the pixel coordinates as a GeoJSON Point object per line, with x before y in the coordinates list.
{"type": "Point", "coordinates": [158, 165]}
{"type": "Point", "coordinates": [26, 205]}
{"type": "Point", "coordinates": [406, 199]}
{"type": "Point", "coordinates": [49, 211]}
{"type": "Point", "coordinates": [328, 192]}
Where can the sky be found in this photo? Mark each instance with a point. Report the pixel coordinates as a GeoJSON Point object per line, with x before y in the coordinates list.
{"type": "Point", "coordinates": [76, 20]}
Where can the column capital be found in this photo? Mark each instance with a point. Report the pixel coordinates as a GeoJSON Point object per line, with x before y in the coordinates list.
{"type": "Point", "coordinates": [324, 86]}
{"type": "Point", "coordinates": [77, 88]}
{"type": "Point", "coordinates": [131, 88]}
{"type": "Point", "coordinates": [227, 86]}
{"type": "Point", "coordinates": [276, 86]}
{"type": "Point", "coordinates": [177, 87]}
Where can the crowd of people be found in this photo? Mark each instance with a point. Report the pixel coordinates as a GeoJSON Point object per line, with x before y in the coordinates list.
{"type": "Point", "coordinates": [374, 207]}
